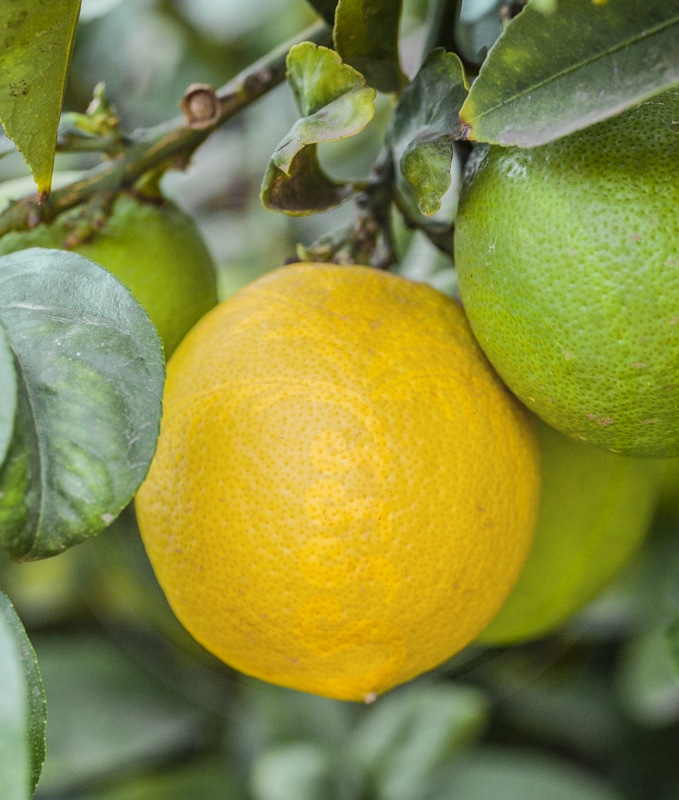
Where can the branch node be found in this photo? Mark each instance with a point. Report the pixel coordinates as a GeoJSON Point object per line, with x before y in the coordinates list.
{"type": "Point", "coordinates": [200, 106]}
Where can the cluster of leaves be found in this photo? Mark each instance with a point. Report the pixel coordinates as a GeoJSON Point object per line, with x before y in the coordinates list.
{"type": "Point", "coordinates": [605, 58]}
{"type": "Point", "coordinates": [80, 364]}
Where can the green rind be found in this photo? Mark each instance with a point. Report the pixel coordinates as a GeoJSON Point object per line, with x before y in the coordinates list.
{"type": "Point", "coordinates": [595, 511]}
{"type": "Point", "coordinates": [568, 264]}
{"type": "Point", "coordinates": [154, 248]}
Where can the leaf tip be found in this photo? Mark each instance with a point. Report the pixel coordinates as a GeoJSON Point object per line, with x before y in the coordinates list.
{"type": "Point", "coordinates": [44, 189]}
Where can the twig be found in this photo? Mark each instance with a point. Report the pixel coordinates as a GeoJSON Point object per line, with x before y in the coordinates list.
{"type": "Point", "coordinates": [172, 142]}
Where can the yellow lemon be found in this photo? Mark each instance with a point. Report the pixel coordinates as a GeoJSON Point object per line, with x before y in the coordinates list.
{"type": "Point", "coordinates": [596, 508]}
{"type": "Point", "coordinates": [344, 492]}
{"type": "Point", "coordinates": [150, 245]}
{"type": "Point", "coordinates": [568, 263]}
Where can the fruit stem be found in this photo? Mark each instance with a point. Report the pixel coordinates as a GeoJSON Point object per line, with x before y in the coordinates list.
{"type": "Point", "coordinates": [369, 239]}
{"type": "Point", "coordinates": [171, 143]}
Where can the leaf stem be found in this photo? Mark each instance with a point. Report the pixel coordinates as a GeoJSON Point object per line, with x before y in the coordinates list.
{"type": "Point", "coordinates": [170, 143]}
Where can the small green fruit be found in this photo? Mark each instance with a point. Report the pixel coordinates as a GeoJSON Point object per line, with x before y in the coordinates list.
{"type": "Point", "coordinates": [595, 511]}
{"type": "Point", "coordinates": [568, 264]}
{"type": "Point", "coordinates": [153, 247]}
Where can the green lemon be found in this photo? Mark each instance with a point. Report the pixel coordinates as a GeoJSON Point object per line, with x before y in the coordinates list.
{"type": "Point", "coordinates": [568, 263]}
{"type": "Point", "coordinates": [153, 247]}
{"type": "Point", "coordinates": [595, 510]}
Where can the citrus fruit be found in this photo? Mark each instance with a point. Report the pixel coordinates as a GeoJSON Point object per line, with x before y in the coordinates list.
{"type": "Point", "coordinates": [153, 247]}
{"type": "Point", "coordinates": [596, 508]}
{"type": "Point", "coordinates": [568, 264]}
{"type": "Point", "coordinates": [344, 491]}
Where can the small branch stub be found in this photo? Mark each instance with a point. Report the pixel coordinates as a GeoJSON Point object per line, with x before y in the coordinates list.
{"type": "Point", "coordinates": [200, 106]}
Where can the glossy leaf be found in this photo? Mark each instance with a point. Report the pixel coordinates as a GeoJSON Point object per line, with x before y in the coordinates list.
{"type": "Point", "coordinates": [424, 126]}
{"type": "Point", "coordinates": [366, 36]}
{"type": "Point", "coordinates": [335, 104]}
{"type": "Point", "coordinates": [551, 74]}
{"type": "Point", "coordinates": [36, 41]}
{"type": "Point", "coordinates": [8, 395]}
{"type": "Point", "coordinates": [91, 372]}
{"type": "Point", "coordinates": [22, 708]}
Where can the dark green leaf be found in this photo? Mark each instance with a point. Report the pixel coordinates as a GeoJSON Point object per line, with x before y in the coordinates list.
{"type": "Point", "coordinates": [335, 104]}
{"type": "Point", "coordinates": [571, 711]}
{"type": "Point", "coordinates": [366, 36]}
{"type": "Point", "coordinates": [206, 779]}
{"type": "Point", "coordinates": [107, 712]}
{"type": "Point", "coordinates": [22, 709]}
{"type": "Point", "coordinates": [90, 375]}
{"type": "Point", "coordinates": [551, 74]}
{"type": "Point", "coordinates": [513, 774]}
{"type": "Point", "coordinates": [36, 41]}
{"type": "Point", "coordinates": [413, 731]}
{"type": "Point", "coordinates": [423, 129]}
{"type": "Point", "coordinates": [8, 396]}
{"type": "Point", "coordinates": [672, 637]}
{"type": "Point", "coordinates": [304, 189]}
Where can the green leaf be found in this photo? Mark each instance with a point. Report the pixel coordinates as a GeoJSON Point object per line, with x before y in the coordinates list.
{"type": "Point", "coordinates": [265, 714]}
{"type": "Point", "coordinates": [424, 126]}
{"type": "Point", "coordinates": [22, 709]}
{"type": "Point", "coordinates": [514, 774]}
{"type": "Point", "coordinates": [304, 188]}
{"type": "Point", "coordinates": [90, 376]}
{"type": "Point", "coordinates": [672, 641]}
{"type": "Point", "coordinates": [335, 104]}
{"type": "Point", "coordinates": [413, 731]}
{"type": "Point", "coordinates": [299, 771]}
{"type": "Point", "coordinates": [551, 74]}
{"type": "Point", "coordinates": [204, 779]}
{"type": "Point", "coordinates": [108, 713]}
{"type": "Point", "coordinates": [649, 681]}
{"type": "Point", "coordinates": [366, 36]}
{"type": "Point", "coordinates": [36, 41]}
{"type": "Point", "coordinates": [8, 396]}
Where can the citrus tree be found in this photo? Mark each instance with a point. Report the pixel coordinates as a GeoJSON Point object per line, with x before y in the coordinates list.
{"type": "Point", "coordinates": [339, 358]}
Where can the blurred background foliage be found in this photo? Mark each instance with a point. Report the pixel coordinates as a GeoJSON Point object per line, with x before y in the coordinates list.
{"type": "Point", "coordinates": [138, 711]}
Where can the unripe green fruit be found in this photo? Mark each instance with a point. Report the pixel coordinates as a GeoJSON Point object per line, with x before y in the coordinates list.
{"type": "Point", "coordinates": [568, 263]}
{"type": "Point", "coordinates": [153, 247]}
{"type": "Point", "coordinates": [595, 511]}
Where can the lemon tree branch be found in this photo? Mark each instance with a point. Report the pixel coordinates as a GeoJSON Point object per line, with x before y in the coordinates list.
{"type": "Point", "coordinates": [171, 143]}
